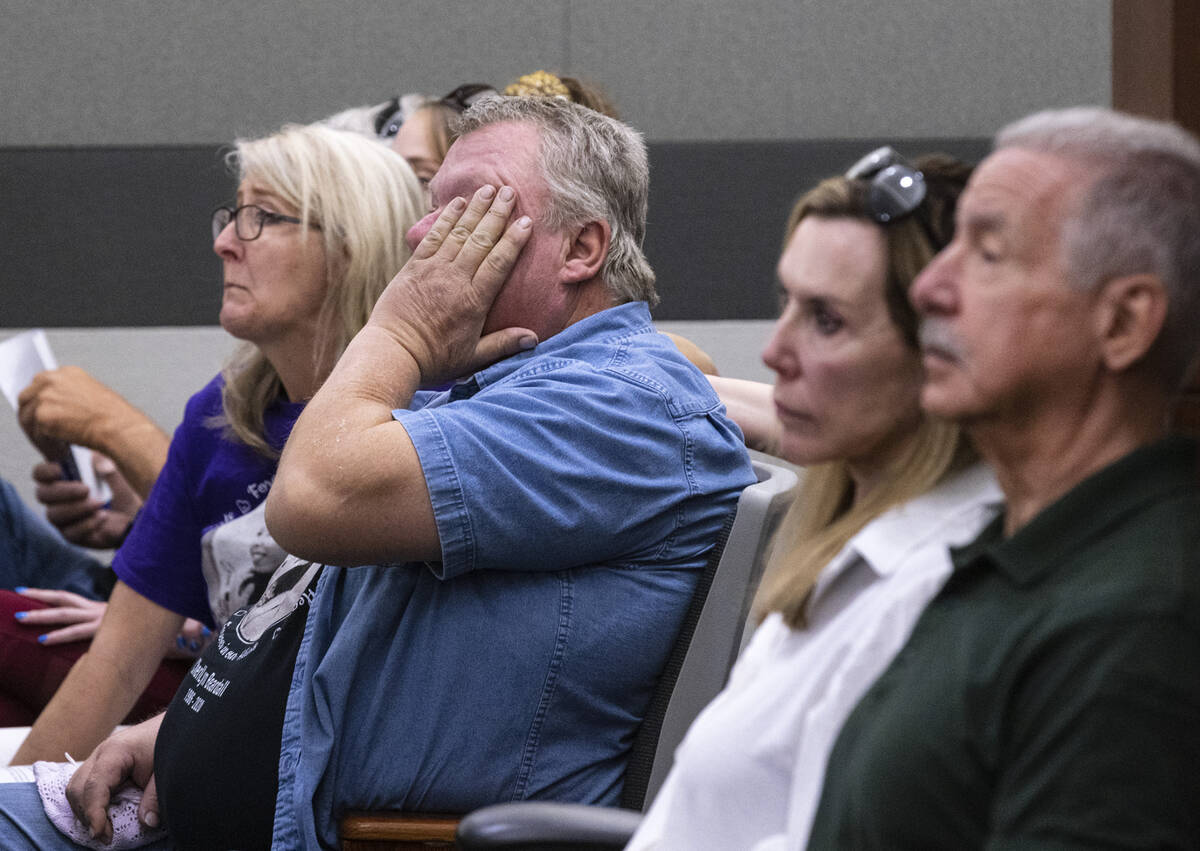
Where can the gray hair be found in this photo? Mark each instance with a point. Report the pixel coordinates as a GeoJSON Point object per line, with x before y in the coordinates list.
{"type": "Point", "coordinates": [1141, 213]}
{"type": "Point", "coordinates": [596, 169]}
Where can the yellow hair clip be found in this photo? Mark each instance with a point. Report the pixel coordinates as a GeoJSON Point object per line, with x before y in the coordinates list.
{"type": "Point", "coordinates": [539, 84]}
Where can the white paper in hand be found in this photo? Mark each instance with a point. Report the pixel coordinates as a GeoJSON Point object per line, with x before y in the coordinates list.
{"type": "Point", "coordinates": [23, 356]}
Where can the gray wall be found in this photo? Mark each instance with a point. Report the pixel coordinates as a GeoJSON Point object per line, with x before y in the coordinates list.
{"type": "Point", "coordinates": [113, 109]}
{"type": "Point", "coordinates": [142, 72]}
{"type": "Point", "coordinates": [114, 112]}
{"type": "Point", "coordinates": [157, 369]}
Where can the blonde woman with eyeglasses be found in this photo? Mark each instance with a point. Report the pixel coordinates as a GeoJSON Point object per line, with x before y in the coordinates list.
{"type": "Point", "coordinates": [314, 236]}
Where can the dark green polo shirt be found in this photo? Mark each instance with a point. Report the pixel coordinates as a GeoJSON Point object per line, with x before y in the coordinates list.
{"type": "Point", "coordinates": [1049, 696]}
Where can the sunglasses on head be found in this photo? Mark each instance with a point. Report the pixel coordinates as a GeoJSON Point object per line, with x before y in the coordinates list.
{"type": "Point", "coordinates": [464, 97]}
{"type": "Point", "coordinates": [895, 188]}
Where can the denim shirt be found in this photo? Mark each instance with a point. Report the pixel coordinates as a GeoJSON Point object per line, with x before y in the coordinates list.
{"type": "Point", "coordinates": [577, 488]}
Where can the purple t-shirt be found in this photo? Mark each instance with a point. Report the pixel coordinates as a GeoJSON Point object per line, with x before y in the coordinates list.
{"type": "Point", "coordinates": [208, 481]}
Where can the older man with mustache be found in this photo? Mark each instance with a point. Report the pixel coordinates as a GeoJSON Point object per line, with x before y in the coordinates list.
{"type": "Point", "coordinates": [1048, 696]}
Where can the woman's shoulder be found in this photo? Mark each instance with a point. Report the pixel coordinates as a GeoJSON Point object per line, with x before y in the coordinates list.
{"type": "Point", "coordinates": [202, 407]}
{"type": "Point", "coordinates": [206, 400]}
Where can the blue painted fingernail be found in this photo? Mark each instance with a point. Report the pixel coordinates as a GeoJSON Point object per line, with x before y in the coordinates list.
{"type": "Point", "coordinates": [179, 641]}
{"type": "Point", "coordinates": [207, 632]}
{"type": "Point", "coordinates": [195, 645]}
{"type": "Point", "coordinates": [20, 589]}
{"type": "Point", "coordinates": [20, 615]}
{"type": "Point", "coordinates": [42, 639]}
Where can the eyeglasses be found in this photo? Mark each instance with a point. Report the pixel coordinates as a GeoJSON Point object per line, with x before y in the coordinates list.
{"type": "Point", "coordinates": [248, 221]}
{"type": "Point", "coordinates": [464, 97]}
{"type": "Point", "coordinates": [896, 189]}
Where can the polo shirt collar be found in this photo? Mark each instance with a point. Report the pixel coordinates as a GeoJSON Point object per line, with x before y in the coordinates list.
{"type": "Point", "coordinates": [1146, 475]}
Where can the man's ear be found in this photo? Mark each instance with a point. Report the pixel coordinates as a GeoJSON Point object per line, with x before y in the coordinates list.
{"type": "Point", "coordinates": [586, 252]}
{"type": "Point", "coordinates": [1130, 314]}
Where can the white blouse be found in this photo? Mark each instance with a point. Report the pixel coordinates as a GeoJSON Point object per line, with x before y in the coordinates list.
{"type": "Point", "coordinates": [749, 772]}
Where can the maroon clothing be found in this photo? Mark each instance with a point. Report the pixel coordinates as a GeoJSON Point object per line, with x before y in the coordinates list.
{"type": "Point", "coordinates": [30, 672]}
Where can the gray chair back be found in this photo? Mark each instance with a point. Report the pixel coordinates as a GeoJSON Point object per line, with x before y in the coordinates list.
{"type": "Point", "coordinates": [718, 635]}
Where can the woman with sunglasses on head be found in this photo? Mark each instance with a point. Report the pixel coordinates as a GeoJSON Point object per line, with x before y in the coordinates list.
{"type": "Point", "coordinates": [424, 133]}
{"type": "Point", "coordinates": [314, 236]}
{"type": "Point", "coordinates": [864, 548]}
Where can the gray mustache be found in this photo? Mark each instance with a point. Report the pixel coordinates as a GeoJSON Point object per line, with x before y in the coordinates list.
{"type": "Point", "coordinates": [933, 334]}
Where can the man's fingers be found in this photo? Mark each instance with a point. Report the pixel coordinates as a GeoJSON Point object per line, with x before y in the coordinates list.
{"type": "Point", "coordinates": [61, 491]}
{"type": "Point", "coordinates": [63, 514]}
{"type": "Point", "coordinates": [66, 511]}
{"type": "Point", "coordinates": [48, 472]}
{"type": "Point", "coordinates": [124, 756]}
{"type": "Point", "coordinates": [472, 227]}
{"type": "Point", "coordinates": [433, 239]}
{"type": "Point", "coordinates": [459, 225]}
{"type": "Point", "coordinates": [487, 231]}
{"type": "Point", "coordinates": [31, 391]}
{"type": "Point", "coordinates": [148, 808]}
{"type": "Point", "coordinates": [501, 344]}
{"type": "Point", "coordinates": [90, 799]}
{"type": "Point", "coordinates": [83, 532]}
{"type": "Point", "coordinates": [498, 263]}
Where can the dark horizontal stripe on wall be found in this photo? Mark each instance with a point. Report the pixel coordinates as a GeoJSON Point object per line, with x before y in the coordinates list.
{"type": "Point", "coordinates": [120, 236]}
{"type": "Point", "coordinates": [718, 210]}
{"type": "Point", "coordinates": [110, 236]}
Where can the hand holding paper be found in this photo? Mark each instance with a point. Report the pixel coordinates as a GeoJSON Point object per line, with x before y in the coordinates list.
{"type": "Point", "coordinates": [22, 358]}
{"type": "Point", "coordinates": [77, 515]}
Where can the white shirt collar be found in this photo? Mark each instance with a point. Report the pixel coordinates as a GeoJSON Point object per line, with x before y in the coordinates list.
{"type": "Point", "coordinates": [884, 543]}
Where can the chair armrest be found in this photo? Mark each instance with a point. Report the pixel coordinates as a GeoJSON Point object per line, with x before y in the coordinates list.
{"type": "Point", "coordinates": [547, 825]}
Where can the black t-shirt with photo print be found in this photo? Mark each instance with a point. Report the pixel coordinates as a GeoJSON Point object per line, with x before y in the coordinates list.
{"type": "Point", "coordinates": [216, 761]}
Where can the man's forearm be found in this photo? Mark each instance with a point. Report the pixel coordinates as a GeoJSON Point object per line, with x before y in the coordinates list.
{"type": "Point", "coordinates": [350, 487]}
{"type": "Point", "coordinates": [139, 449]}
{"type": "Point", "coordinates": [375, 375]}
{"type": "Point", "coordinates": [349, 469]}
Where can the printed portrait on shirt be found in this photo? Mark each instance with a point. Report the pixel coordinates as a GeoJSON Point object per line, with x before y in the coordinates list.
{"type": "Point", "coordinates": [237, 559]}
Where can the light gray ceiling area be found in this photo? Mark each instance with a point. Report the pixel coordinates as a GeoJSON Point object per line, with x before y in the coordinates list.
{"type": "Point", "coordinates": [148, 72]}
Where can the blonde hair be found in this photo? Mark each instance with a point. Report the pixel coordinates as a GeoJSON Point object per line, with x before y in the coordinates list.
{"type": "Point", "coordinates": [364, 197]}
{"type": "Point", "coordinates": [824, 516]}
